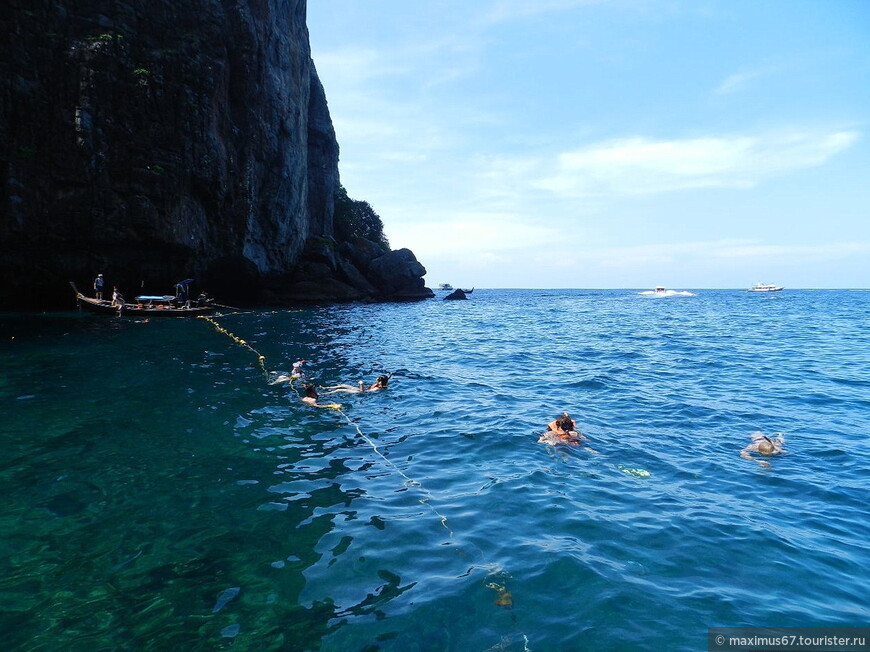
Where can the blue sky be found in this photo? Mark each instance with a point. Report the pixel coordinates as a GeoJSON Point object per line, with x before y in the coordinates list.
{"type": "Point", "coordinates": [608, 143]}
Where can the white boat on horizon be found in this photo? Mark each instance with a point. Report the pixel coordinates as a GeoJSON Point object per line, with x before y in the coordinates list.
{"type": "Point", "coordinates": [765, 287]}
{"type": "Point", "coordinates": [662, 292]}
{"type": "Point", "coordinates": [445, 286]}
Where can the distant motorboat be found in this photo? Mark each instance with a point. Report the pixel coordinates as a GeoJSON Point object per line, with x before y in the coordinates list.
{"type": "Point", "coordinates": [662, 292]}
{"type": "Point", "coordinates": [765, 287]}
{"type": "Point", "coordinates": [445, 286]}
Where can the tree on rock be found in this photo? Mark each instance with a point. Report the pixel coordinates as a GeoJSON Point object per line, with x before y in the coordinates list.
{"type": "Point", "coordinates": [357, 219]}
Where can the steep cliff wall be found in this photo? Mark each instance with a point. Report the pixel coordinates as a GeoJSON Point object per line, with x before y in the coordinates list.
{"type": "Point", "coordinates": [153, 140]}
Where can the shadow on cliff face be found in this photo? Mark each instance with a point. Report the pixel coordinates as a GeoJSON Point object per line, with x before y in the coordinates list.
{"type": "Point", "coordinates": [235, 280]}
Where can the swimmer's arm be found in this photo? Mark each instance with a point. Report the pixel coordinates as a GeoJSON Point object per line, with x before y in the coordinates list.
{"type": "Point", "coordinates": [746, 456]}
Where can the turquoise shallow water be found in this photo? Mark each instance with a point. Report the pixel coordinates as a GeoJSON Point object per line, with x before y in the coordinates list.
{"type": "Point", "coordinates": [160, 494]}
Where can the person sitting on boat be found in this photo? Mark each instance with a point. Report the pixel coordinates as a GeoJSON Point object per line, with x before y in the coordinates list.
{"type": "Point", "coordinates": [763, 445]}
{"type": "Point", "coordinates": [98, 287]}
{"type": "Point", "coordinates": [117, 298]}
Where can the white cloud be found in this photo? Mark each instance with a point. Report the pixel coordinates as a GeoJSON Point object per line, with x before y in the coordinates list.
{"type": "Point", "coordinates": [467, 234]}
{"type": "Point", "coordinates": [742, 80]}
{"type": "Point", "coordinates": [805, 253]}
{"type": "Point", "coordinates": [356, 67]}
{"type": "Point", "coordinates": [735, 250]}
{"type": "Point", "coordinates": [641, 166]}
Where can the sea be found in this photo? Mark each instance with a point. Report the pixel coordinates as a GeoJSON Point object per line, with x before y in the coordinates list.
{"type": "Point", "coordinates": [161, 492]}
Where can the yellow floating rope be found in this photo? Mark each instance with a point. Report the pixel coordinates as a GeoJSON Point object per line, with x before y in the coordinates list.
{"type": "Point", "coordinates": [238, 340]}
{"type": "Point", "coordinates": [338, 408]}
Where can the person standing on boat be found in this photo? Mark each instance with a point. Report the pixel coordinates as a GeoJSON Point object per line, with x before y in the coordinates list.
{"type": "Point", "coordinates": [181, 293]}
{"type": "Point", "coordinates": [98, 287]}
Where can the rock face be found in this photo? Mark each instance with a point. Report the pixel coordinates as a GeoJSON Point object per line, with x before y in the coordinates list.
{"type": "Point", "coordinates": [155, 140]}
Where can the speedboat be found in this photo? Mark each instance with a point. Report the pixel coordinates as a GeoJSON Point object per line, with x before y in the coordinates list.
{"type": "Point", "coordinates": [662, 292]}
{"type": "Point", "coordinates": [445, 286]}
{"type": "Point", "coordinates": [765, 287]}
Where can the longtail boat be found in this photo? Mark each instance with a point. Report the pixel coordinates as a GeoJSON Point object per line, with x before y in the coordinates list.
{"type": "Point", "coordinates": [146, 306]}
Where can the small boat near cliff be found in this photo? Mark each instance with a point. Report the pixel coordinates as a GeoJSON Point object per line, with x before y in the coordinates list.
{"type": "Point", "coordinates": [146, 306]}
{"type": "Point", "coordinates": [662, 292]}
{"type": "Point", "coordinates": [445, 286]}
{"type": "Point", "coordinates": [765, 287]}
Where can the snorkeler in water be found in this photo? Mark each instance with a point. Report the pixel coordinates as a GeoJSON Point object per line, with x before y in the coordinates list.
{"type": "Point", "coordinates": [763, 445]}
{"type": "Point", "coordinates": [311, 397]}
{"type": "Point", "coordinates": [297, 374]}
{"type": "Point", "coordinates": [360, 388]}
{"type": "Point", "coordinates": [563, 431]}
{"type": "Point", "coordinates": [380, 383]}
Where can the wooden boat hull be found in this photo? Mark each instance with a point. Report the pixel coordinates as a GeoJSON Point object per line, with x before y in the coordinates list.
{"type": "Point", "coordinates": [105, 307]}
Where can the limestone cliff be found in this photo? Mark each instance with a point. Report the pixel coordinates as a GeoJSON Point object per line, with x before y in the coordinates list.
{"type": "Point", "coordinates": [155, 140]}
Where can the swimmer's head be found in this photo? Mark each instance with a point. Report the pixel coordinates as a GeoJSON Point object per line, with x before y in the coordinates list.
{"type": "Point", "coordinates": [382, 380]}
{"type": "Point", "coordinates": [766, 447]}
{"type": "Point", "coordinates": [310, 391]}
{"type": "Point", "coordinates": [565, 423]}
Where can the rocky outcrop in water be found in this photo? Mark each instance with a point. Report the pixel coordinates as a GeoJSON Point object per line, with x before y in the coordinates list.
{"type": "Point", "coordinates": [456, 295]}
{"type": "Point", "coordinates": [155, 140]}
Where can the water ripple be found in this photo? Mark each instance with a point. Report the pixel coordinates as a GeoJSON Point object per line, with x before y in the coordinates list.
{"type": "Point", "coordinates": [189, 502]}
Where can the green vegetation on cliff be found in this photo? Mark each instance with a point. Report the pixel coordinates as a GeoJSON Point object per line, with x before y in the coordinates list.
{"type": "Point", "coordinates": [355, 218]}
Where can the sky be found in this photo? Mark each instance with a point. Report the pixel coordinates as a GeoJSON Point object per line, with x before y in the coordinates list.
{"type": "Point", "coordinates": [608, 143]}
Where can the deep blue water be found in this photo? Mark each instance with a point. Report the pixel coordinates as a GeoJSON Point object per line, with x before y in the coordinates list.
{"type": "Point", "coordinates": [159, 493]}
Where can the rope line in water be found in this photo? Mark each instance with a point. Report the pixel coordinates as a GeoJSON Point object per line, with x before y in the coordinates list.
{"type": "Point", "coordinates": [504, 597]}
{"type": "Point", "coordinates": [337, 407]}
{"type": "Point", "coordinates": [238, 340]}
{"type": "Point", "coordinates": [409, 481]}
